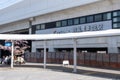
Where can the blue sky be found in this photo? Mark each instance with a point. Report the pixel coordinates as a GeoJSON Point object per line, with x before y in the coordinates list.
{"type": "Point", "coordinates": [6, 3]}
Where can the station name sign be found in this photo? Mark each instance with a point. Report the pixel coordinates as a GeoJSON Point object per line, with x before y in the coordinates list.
{"type": "Point", "coordinates": [98, 26]}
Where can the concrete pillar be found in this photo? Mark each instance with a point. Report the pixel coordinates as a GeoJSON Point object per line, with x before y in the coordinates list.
{"type": "Point", "coordinates": [34, 46]}
{"type": "Point", "coordinates": [33, 49]}
{"type": "Point", "coordinates": [51, 49]}
{"type": "Point", "coordinates": [30, 24]}
{"type": "Point", "coordinates": [45, 54]}
{"type": "Point", "coordinates": [75, 55]}
{"type": "Point", "coordinates": [112, 45]}
{"type": "Point", "coordinates": [30, 31]}
{"type": "Point", "coordinates": [30, 27]}
{"type": "Point", "coordinates": [51, 46]}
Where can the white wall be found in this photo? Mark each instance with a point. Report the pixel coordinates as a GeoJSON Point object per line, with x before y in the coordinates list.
{"type": "Point", "coordinates": [14, 12]}
{"type": "Point", "coordinates": [19, 25]}
{"type": "Point", "coordinates": [97, 42]}
{"type": "Point", "coordinates": [59, 11]}
{"type": "Point", "coordinates": [31, 8]}
{"type": "Point", "coordinates": [93, 8]}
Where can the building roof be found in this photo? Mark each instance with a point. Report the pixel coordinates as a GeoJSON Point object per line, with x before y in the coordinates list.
{"type": "Point", "coordinates": [30, 8]}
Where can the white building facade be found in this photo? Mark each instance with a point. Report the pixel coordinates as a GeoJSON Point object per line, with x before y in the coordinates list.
{"type": "Point", "coordinates": [64, 16]}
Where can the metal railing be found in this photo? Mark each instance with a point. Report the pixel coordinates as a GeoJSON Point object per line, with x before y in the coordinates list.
{"type": "Point", "coordinates": [87, 59]}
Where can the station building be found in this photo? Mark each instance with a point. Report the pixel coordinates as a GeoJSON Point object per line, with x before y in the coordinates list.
{"type": "Point", "coordinates": [64, 16]}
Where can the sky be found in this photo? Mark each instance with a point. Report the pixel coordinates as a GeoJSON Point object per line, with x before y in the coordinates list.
{"type": "Point", "coordinates": [7, 3]}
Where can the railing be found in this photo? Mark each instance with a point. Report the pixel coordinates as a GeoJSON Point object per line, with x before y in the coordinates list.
{"type": "Point", "coordinates": [87, 59]}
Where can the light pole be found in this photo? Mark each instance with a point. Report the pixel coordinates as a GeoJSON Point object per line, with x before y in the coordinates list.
{"type": "Point", "coordinates": [12, 54]}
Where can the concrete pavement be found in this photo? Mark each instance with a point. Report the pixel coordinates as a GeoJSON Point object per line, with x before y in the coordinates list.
{"type": "Point", "coordinates": [35, 71]}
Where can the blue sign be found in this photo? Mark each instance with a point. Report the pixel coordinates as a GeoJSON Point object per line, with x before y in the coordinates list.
{"type": "Point", "coordinates": [8, 44]}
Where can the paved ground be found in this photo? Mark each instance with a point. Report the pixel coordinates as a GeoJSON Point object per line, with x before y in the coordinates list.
{"type": "Point", "coordinates": [35, 71]}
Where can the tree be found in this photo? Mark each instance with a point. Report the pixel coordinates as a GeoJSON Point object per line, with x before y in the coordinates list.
{"type": "Point", "coordinates": [19, 47]}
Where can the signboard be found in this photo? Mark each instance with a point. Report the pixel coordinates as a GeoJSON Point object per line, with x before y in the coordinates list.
{"type": "Point", "coordinates": [8, 44]}
{"type": "Point", "coordinates": [97, 26]}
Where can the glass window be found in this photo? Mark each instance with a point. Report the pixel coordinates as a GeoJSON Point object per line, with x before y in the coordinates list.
{"type": "Point", "coordinates": [76, 21]}
{"type": "Point", "coordinates": [116, 13]}
{"type": "Point", "coordinates": [42, 26]}
{"type": "Point", "coordinates": [58, 24]}
{"type": "Point", "coordinates": [50, 25]}
{"type": "Point", "coordinates": [106, 16]}
{"type": "Point", "coordinates": [114, 19]}
{"type": "Point", "coordinates": [116, 25]}
{"type": "Point", "coordinates": [70, 22]}
{"type": "Point", "coordinates": [98, 17]}
{"type": "Point", "coordinates": [82, 20]}
{"type": "Point", "coordinates": [90, 19]}
{"type": "Point", "coordinates": [64, 23]}
{"type": "Point", "coordinates": [117, 19]}
{"type": "Point", "coordinates": [38, 27]}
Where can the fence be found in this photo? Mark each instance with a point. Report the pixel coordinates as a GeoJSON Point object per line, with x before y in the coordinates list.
{"type": "Point", "coordinates": [87, 59]}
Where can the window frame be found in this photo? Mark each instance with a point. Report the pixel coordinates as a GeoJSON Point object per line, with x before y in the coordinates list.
{"type": "Point", "coordinates": [89, 17]}
{"type": "Point", "coordinates": [64, 24]}
{"type": "Point", "coordinates": [76, 19]}
{"type": "Point", "coordinates": [105, 19]}
{"type": "Point", "coordinates": [82, 18]}
{"type": "Point", "coordinates": [59, 23]}
{"type": "Point", "coordinates": [38, 25]}
{"type": "Point", "coordinates": [42, 26]}
{"type": "Point", "coordinates": [95, 19]}
{"type": "Point", "coordinates": [68, 22]}
{"type": "Point", "coordinates": [116, 14]}
{"type": "Point", "coordinates": [117, 27]}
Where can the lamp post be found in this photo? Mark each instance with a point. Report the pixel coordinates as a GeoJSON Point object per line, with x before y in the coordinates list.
{"type": "Point", "coordinates": [12, 54]}
{"type": "Point", "coordinates": [11, 44]}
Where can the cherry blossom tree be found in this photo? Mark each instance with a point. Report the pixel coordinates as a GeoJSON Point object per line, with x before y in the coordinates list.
{"type": "Point", "coordinates": [19, 47]}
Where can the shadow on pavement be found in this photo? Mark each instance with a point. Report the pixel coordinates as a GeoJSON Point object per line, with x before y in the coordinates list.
{"type": "Point", "coordinates": [60, 68]}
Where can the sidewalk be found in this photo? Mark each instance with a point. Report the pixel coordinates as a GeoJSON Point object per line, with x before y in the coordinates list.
{"type": "Point", "coordinates": [35, 71]}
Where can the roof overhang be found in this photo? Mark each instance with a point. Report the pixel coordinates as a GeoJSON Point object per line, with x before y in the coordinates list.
{"type": "Point", "coordinates": [29, 8]}
{"type": "Point", "coordinates": [81, 35]}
